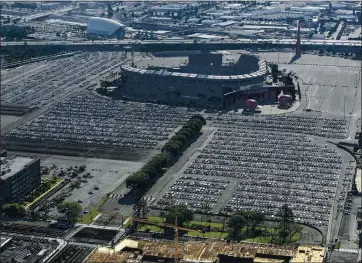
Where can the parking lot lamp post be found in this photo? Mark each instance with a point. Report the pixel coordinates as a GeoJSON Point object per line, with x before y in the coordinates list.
{"type": "Point", "coordinates": [344, 107]}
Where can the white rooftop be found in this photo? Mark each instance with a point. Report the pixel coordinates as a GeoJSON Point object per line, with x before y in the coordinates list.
{"type": "Point", "coordinates": [11, 166]}
{"type": "Point", "coordinates": [4, 240]}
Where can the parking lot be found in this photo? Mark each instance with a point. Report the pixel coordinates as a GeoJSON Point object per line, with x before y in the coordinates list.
{"type": "Point", "coordinates": [288, 168]}
{"type": "Point", "coordinates": [41, 83]}
{"type": "Point", "coordinates": [249, 162]}
{"type": "Point", "coordinates": [327, 83]}
{"type": "Point", "coordinates": [88, 121]}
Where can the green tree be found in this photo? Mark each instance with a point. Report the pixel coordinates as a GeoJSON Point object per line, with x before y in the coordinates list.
{"type": "Point", "coordinates": [180, 138]}
{"type": "Point", "coordinates": [142, 208]}
{"type": "Point", "coordinates": [14, 210]}
{"type": "Point", "coordinates": [72, 210]}
{"type": "Point", "coordinates": [199, 123]}
{"type": "Point", "coordinates": [235, 224]}
{"type": "Point", "coordinates": [154, 167]}
{"type": "Point", "coordinates": [45, 207]}
{"type": "Point", "coordinates": [182, 213]}
{"type": "Point", "coordinates": [75, 184]}
{"type": "Point", "coordinates": [274, 71]}
{"type": "Point", "coordinates": [286, 224]}
{"type": "Point", "coordinates": [199, 117]}
{"type": "Point", "coordinates": [173, 147]}
{"type": "Point", "coordinates": [34, 215]}
{"type": "Point", "coordinates": [82, 168]}
{"type": "Point", "coordinates": [188, 133]}
{"type": "Point", "coordinates": [255, 218]}
{"type": "Point", "coordinates": [138, 180]}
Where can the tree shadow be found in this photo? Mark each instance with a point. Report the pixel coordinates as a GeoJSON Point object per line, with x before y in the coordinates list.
{"type": "Point", "coordinates": [130, 198]}
{"type": "Point", "coordinates": [294, 58]}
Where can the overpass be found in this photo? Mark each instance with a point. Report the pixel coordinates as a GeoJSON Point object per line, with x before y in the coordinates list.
{"type": "Point", "coordinates": [186, 44]}
{"type": "Point", "coordinates": [45, 14]}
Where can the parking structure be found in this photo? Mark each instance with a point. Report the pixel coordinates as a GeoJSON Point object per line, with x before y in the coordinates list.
{"type": "Point", "coordinates": [27, 249]}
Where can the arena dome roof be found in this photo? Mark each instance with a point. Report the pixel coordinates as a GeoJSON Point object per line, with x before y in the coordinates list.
{"type": "Point", "coordinates": [102, 26]}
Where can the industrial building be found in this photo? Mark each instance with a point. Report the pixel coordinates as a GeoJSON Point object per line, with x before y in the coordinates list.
{"type": "Point", "coordinates": [104, 28]}
{"type": "Point", "coordinates": [19, 176]}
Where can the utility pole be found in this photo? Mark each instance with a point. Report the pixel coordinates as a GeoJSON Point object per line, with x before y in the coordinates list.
{"type": "Point", "coordinates": [357, 75]}
{"type": "Point", "coordinates": [278, 55]}
{"type": "Point", "coordinates": [298, 48]}
{"type": "Point", "coordinates": [344, 108]}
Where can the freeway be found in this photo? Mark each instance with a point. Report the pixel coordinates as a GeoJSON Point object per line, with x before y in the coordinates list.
{"type": "Point", "coordinates": [44, 14]}
{"type": "Point", "coordinates": [352, 43]}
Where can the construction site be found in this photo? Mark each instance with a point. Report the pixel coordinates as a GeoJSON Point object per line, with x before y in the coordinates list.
{"type": "Point", "coordinates": [142, 250]}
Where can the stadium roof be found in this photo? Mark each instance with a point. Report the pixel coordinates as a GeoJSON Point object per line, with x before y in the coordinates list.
{"type": "Point", "coordinates": [103, 26]}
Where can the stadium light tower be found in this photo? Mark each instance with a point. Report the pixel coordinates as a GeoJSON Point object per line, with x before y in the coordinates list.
{"type": "Point", "coordinates": [297, 50]}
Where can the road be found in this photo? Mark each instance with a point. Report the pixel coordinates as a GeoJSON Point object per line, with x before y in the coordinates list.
{"type": "Point", "coordinates": [352, 43]}
{"type": "Point", "coordinates": [44, 14]}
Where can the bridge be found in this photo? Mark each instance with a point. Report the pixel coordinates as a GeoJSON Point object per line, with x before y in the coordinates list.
{"type": "Point", "coordinates": [187, 44]}
{"type": "Point", "coordinates": [354, 43]}
{"type": "Point", "coordinates": [36, 16]}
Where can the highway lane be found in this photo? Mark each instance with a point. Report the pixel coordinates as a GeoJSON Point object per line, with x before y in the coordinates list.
{"type": "Point", "coordinates": [191, 41]}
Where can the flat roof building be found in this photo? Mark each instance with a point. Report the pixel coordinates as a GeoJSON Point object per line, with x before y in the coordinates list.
{"type": "Point", "coordinates": [19, 177]}
{"type": "Point", "coordinates": [312, 254]}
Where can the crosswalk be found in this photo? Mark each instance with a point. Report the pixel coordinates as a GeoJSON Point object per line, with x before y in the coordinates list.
{"type": "Point", "coordinates": [83, 244]}
{"type": "Point", "coordinates": [115, 196]}
{"type": "Point", "coordinates": [119, 196]}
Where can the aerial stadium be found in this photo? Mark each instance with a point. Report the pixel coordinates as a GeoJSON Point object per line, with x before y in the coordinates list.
{"type": "Point", "coordinates": [205, 81]}
{"type": "Point", "coordinates": [99, 27]}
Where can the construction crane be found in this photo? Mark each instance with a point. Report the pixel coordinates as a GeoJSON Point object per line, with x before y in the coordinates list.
{"type": "Point", "coordinates": [176, 228]}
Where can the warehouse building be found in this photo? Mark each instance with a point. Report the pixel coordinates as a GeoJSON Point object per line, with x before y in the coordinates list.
{"type": "Point", "coordinates": [19, 177]}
